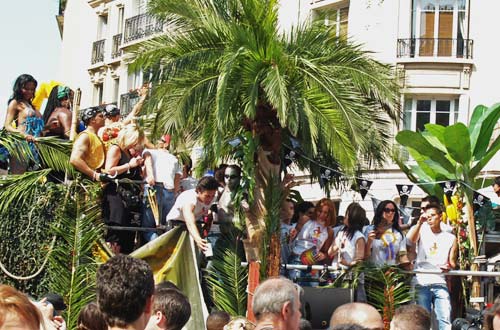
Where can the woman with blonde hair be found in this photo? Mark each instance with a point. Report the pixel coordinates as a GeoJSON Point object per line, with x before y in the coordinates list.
{"type": "Point", "coordinates": [122, 202]}
{"type": "Point", "coordinates": [17, 311]}
{"type": "Point", "coordinates": [311, 240]}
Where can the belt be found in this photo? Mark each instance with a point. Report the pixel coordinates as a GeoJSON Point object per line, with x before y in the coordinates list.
{"type": "Point", "coordinates": [161, 184]}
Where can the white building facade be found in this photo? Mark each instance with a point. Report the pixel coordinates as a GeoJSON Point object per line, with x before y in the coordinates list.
{"type": "Point", "coordinates": [444, 51]}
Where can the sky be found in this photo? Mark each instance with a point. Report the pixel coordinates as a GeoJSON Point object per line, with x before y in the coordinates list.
{"type": "Point", "coordinates": [30, 44]}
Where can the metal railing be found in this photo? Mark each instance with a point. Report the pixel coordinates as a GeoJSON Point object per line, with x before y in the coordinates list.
{"type": "Point", "coordinates": [127, 102]}
{"type": "Point", "coordinates": [141, 26]}
{"type": "Point", "coordinates": [435, 47]}
{"type": "Point", "coordinates": [98, 51]}
{"type": "Point", "coordinates": [115, 47]}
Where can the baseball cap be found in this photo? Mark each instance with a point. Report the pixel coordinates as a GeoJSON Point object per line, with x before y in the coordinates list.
{"type": "Point", "coordinates": [56, 300]}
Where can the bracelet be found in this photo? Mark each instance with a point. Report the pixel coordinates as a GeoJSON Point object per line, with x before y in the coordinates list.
{"type": "Point", "coordinates": [94, 176]}
{"type": "Point", "coordinates": [128, 168]}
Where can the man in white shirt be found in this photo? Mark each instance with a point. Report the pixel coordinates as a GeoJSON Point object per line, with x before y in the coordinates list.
{"type": "Point", "coordinates": [192, 205]}
{"type": "Point", "coordinates": [163, 174]}
{"type": "Point", "coordinates": [436, 251]}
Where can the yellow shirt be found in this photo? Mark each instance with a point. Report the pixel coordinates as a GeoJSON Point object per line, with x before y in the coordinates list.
{"type": "Point", "coordinates": [95, 155]}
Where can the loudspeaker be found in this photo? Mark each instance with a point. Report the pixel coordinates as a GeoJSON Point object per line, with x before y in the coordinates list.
{"type": "Point", "coordinates": [319, 303]}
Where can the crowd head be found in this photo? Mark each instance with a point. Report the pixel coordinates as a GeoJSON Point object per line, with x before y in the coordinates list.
{"type": "Point", "coordinates": [326, 211]}
{"type": "Point", "coordinates": [387, 214]}
{"type": "Point", "coordinates": [17, 311]}
{"type": "Point", "coordinates": [411, 317]}
{"type": "Point", "coordinates": [91, 318]}
{"type": "Point", "coordinates": [357, 313]}
{"type": "Point", "coordinates": [24, 88]}
{"type": "Point", "coordinates": [124, 290]}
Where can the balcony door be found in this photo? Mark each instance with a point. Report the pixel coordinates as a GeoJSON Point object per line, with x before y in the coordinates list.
{"type": "Point", "coordinates": [439, 27]}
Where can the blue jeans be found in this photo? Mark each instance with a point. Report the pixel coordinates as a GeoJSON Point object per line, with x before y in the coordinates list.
{"type": "Point", "coordinates": [437, 295]}
{"type": "Point", "coordinates": [165, 200]}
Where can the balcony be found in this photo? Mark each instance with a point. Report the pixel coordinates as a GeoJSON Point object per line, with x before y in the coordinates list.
{"type": "Point", "coordinates": [115, 47]}
{"type": "Point", "coordinates": [98, 51]}
{"type": "Point", "coordinates": [127, 102]}
{"type": "Point", "coordinates": [141, 26]}
{"type": "Point", "coordinates": [435, 47]}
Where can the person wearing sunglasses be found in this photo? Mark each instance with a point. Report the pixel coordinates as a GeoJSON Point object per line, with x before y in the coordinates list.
{"type": "Point", "coordinates": [385, 242]}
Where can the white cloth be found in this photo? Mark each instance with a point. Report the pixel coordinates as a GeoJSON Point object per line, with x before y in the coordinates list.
{"type": "Point", "coordinates": [165, 166]}
{"type": "Point", "coordinates": [387, 248]}
{"type": "Point", "coordinates": [433, 250]}
{"type": "Point", "coordinates": [188, 198]}
{"type": "Point", "coordinates": [312, 234]}
{"type": "Point", "coordinates": [188, 183]}
{"type": "Point", "coordinates": [346, 246]}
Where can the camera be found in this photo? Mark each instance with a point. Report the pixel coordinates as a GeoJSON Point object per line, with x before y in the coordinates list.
{"type": "Point", "coordinates": [474, 321]}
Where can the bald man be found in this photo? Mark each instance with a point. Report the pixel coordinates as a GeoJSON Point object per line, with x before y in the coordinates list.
{"type": "Point", "coordinates": [357, 313]}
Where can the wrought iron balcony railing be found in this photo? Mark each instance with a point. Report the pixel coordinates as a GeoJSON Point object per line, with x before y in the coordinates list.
{"type": "Point", "coordinates": [127, 102]}
{"type": "Point", "coordinates": [141, 26]}
{"type": "Point", "coordinates": [435, 47]}
{"type": "Point", "coordinates": [98, 51]}
{"type": "Point", "coordinates": [115, 49]}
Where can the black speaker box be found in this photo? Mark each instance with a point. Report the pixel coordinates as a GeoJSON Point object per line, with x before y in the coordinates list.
{"type": "Point", "coordinates": [319, 303]}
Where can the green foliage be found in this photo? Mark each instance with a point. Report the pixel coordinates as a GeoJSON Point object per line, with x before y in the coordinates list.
{"type": "Point", "coordinates": [227, 279]}
{"type": "Point", "coordinates": [26, 236]}
{"type": "Point", "coordinates": [72, 264]}
{"type": "Point", "coordinates": [227, 59]}
{"type": "Point", "coordinates": [455, 152]}
{"type": "Point", "coordinates": [387, 288]}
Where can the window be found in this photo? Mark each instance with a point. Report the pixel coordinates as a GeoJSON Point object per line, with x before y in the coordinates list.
{"type": "Point", "coordinates": [337, 19]}
{"type": "Point", "coordinates": [121, 15]}
{"type": "Point", "coordinates": [439, 27]}
{"type": "Point", "coordinates": [116, 89]}
{"type": "Point", "coordinates": [421, 111]}
{"type": "Point", "coordinates": [98, 93]}
{"type": "Point", "coordinates": [102, 27]}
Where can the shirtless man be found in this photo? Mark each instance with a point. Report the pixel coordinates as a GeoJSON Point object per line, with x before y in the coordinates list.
{"type": "Point", "coordinates": [88, 155]}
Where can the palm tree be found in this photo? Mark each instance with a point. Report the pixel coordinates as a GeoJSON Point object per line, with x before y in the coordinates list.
{"type": "Point", "coordinates": [224, 69]}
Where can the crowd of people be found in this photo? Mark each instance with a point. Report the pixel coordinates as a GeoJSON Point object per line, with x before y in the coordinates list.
{"type": "Point", "coordinates": [144, 185]}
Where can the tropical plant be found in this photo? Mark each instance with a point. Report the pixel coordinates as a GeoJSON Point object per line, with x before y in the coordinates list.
{"type": "Point", "coordinates": [72, 263]}
{"type": "Point", "coordinates": [458, 153]}
{"type": "Point", "coordinates": [227, 279]}
{"type": "Point", "coordinates": [387, 288]}
{"type": "Point", "coordinates": [226, 68]}
{"type": "Point", "coordinates": [56, 224]}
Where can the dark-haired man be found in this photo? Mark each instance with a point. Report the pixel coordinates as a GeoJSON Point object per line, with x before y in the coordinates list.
{"type": "Point", "coordinates": [125, 289]}
{"type": "Point", "coordinates": [171, 310]}
{"type": "Point", "coordinates": [192, 205]}
{"type": "Point", "coordinates": [88, 155]}
{"type": "Point", "coordinates": [436, 251]}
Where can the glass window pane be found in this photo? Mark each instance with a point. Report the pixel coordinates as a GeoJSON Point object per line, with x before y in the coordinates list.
{"type": "Point", "coordinates": [424, 105]}
{"type": "Point", "coordinates": [422, 119]}
{"type": "Point", "coordinates": [407, 114]}
{"type": "Point", "coordinates": [456, 111]}
{"type": "Point", "coordinates": [442, 118]}
{"type": "Point", "coordinates": [442, 106]}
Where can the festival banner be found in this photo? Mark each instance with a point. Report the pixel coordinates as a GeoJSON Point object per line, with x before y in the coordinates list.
{"type": "Point", "coordinates": [172, 258]}
{"type": "Point", "coordinates": [478, 200]}
{"type": "Point", "coordinates": [363, 186]}
{"type": "Point", "coordinates": [404, 191]}
{"type": "Point", "coordinates": [448, 187]}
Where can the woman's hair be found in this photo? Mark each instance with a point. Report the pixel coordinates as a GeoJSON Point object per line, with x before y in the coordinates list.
{"type": "Point", "coordinates": [57, 94]}
{"type": "Point", "coordinates": [378, 217]}
{"type": "Point", "coordinates": [332, 210]}
{"type": "Point", "coordinates": [356, 216]}
{"type": "Point", "coordinates": [17, 90]}
{"type": "Point", "coordinates": [129, 136]}
{"type": "Point", "coordinates": [301, 208]}
{"type": "Point", "coordinates": [13, 301]}
{"type": "Point", "coordinates": [91, 318]}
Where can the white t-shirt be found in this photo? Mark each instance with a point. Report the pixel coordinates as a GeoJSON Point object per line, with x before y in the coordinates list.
{"type": "Point", "coordinates": [433, 250]}
{"type": "Point", "coordinates": [188, 198]}
{"type": "Point", "coordinates": [312, 234]}
{"type": "Point", "coordinates": [165, 166]}
{"type": "Point", "coordinates": [387, 248]}
{"type": "Point", "coordinates": [347, 247]}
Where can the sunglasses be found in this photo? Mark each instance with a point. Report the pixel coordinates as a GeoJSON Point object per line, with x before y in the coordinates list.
{"type": "Point", "coordinates": [389, 210]}
{"type": "Point", "coordinates": [231, 176]}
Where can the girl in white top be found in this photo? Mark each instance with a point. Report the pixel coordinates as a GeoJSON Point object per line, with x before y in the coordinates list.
{"type": "Point", "coordinates": [349, 245]}
{"type": "Point", "coordinates": [386, 243]}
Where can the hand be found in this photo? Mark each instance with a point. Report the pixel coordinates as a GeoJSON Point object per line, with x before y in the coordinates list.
{"type": "Point", "coordinates": [30, 138]}
{"type": "Point", "coordinates": [293, 234]}
{"type": "Point", "coordinates": [422, 219]}
{"type": "Point", "coordinates": [143, 91]}
{"type": "Point", "coordinates": [136, 161]}
{"type": "Point", "coordinates": [445, 268]}
{"type": "Point", "coordinates": [319, 256]}
{"type": "Point", "coordinates": [372, 235]}
{"type": "Point", "coordinates": [150, 180]}
{"type": "Point", "coordinates": [202, 244]}
{"type": "Point", "coordinates": [103, 177]}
